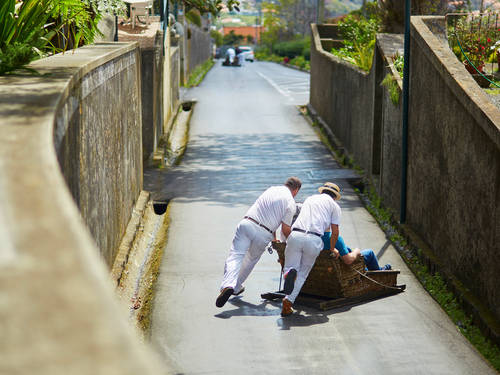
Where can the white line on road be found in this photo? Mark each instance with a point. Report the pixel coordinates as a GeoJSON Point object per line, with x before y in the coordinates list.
{"type": "Point", "coordinates": [280, 90]}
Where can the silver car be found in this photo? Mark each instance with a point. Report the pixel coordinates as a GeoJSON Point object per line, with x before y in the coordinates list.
{"type": "Point", "coordinates": [248, 53]}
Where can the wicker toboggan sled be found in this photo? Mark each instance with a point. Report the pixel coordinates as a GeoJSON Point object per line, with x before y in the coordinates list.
{"type": "Point", "coordinates": [332, 283]}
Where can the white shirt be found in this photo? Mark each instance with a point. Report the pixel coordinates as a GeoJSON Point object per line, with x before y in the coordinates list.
{"type": "Point", "coordinates": [230, 52]}
{"type": "Point", "coordinates": [274, 206]}
{"type": "Point", "coordinates": [318, 212]}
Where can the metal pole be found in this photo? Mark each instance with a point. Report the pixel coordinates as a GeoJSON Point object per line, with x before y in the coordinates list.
{"type": "Point", "coordinates": [406, 82]}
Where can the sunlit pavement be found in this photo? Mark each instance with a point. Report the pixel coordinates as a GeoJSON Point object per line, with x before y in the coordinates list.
{"type": "Point", "coordinates": [246, 134]}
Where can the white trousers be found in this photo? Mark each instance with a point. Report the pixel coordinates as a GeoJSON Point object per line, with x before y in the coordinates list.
{"type": "Point", "coordinates": [241, 58]}
{"type": "Point", "coordinates": [248, 245]}
{"type": "Point", "coordinates": [300, 254]}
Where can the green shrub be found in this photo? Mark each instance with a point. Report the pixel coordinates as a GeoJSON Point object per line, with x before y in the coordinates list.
{"type": "Point", "coordinates": [291, 49]}
{"type": "Point", "coordinates": [301, 62]}
{"type": "Point", "coordinates": [34, 28]}
{"type": "Point", "coordinates": [262, 53]}
{"type": "Point", "coordinates": [306, 52]}
{"type": "Point", "coordinates": [359, 41]}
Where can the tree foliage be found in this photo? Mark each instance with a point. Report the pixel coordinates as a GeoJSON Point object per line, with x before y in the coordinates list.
{"type": "Point", "coordinates": [232, 39]}
{"type": "Point", "coordinates": [217, 37]}
{"type": "Point", "coordinates": [211, 6]}
{"type": "Point", "coordinates": [273, 24]}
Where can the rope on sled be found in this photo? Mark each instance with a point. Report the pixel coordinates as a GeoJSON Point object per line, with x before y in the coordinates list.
{"type": "Point", "coordinates": [369, 278]}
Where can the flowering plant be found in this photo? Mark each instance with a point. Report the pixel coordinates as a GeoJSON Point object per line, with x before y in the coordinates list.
{"type": "Point", "coordinates": [475, 35]}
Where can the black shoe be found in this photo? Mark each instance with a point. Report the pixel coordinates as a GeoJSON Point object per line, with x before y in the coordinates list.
{"type": "Point", "coordinates": [241, 291]}
{"type": "Point", "coordinates": [387, 267]}
{"type": "Point", "coordinates": [224, 296]}
{"type": "Point", "coordinates": [290, 281]}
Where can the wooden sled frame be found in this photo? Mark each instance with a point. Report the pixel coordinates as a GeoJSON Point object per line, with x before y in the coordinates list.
{"type": "Point", "coordinates": [325, 303]}
{"type": "Point", "coordinates": [332, 284]}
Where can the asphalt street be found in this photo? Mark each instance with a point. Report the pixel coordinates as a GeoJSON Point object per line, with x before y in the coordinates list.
{"type": "Point", "coordinates": [246, 134]}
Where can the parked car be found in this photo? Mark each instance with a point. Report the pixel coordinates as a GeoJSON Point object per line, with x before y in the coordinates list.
{"type": "Point", "coordinates": [248, 51]}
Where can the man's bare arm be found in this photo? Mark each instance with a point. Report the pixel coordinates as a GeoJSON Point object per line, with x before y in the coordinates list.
{"type": "Point", "coordinates": [286, 229]}
{"type": "Point", "coordinates": [335, 236]}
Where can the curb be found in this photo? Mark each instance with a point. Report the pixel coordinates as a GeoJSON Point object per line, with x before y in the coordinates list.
{"type": "Point", "coordinates": [128, 239]}
{"type": "Point", "coordinates": [294, 67]}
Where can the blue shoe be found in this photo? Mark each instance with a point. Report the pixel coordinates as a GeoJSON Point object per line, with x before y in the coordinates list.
{"type": "Point", "coordinates": [387, 267]}
{"type": "Point", "coordinates": [290, 278]}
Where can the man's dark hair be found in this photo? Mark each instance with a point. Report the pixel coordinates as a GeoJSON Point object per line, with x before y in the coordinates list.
{"type": "Point", "coordinates": [293, 183]}
{"type": "Point", "coordinates": [334, 197]}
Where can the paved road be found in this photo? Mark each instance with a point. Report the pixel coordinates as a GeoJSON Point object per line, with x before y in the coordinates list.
{"type": "Point", "coordinates": [245, 136]}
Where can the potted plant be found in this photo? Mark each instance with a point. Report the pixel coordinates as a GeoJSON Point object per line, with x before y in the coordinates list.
{"type": "Point", "coordinates": [475, 35]}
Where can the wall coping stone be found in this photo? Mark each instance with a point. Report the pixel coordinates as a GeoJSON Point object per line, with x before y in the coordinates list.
{"type": "Point", "coordinates": [54, 288]}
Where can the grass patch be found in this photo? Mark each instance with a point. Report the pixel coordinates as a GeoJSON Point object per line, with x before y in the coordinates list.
{"type": "Point", "coordinates": [199, 73]}
{"type": "Point", "coordinates": [392, 85]}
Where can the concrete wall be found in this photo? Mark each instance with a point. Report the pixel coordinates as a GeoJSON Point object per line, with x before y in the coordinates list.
{"type": "Point", "coordinates": [59, 314]}
{"type": "Point", "coordinates": [152, 96]}
{"type": "Point", "coordinates": [390, 117]}
{"type": "Point", "coordinates": [98, 143]}
{"type": "Point", "coordinates": [349, 117]}
{"type": "Point", "coordinates": [199, 47]}
{"type": "Point", "coordinates": [453, 204]}
{"type": "Point", "coordinates": [454, 164]}
{"type": "Point", "coordinates": [175, 70]}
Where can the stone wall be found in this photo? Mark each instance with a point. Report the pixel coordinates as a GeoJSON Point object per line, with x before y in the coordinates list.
{"type": "Point", "coordinates": [98, 142]}
{"type": "Point", "coordinates": [453, 196]}
{"type": "Point", "coordinates": [59, 313]}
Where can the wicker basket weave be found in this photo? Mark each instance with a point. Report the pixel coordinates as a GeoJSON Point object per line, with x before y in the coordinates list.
{"type": "Point", "coordinates": [333, 278]}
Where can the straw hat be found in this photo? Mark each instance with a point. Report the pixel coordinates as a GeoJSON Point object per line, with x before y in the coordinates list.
{"type": "Point", "coordinates": [332, 188]}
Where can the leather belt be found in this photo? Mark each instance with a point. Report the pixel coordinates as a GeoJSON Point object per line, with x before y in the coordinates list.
{"type": "Point", "coordinates": [305, 231]}
{"type": "Point", "coordinates": [259, 224]}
